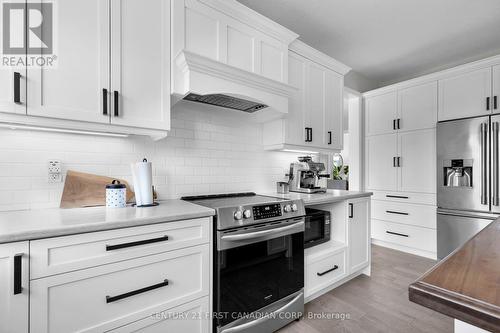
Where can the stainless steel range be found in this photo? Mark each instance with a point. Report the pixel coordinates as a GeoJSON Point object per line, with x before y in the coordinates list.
{"type": "Point", "coordinates": [258, 261]}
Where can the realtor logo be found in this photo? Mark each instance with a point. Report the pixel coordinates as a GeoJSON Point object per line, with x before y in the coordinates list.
{"type": "Point", "coordinates": [28, 34]}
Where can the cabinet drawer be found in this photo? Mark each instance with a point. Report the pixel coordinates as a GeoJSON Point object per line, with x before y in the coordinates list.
{"type": "Point", "coordinates": [408, 197]}
{"type": "Point", "coordinates": [105, 297]}
{"type": "Point", "coordinates": [405, 235]}
{"type": "Point", "coordinates": [64, 254]}
{"type": "Point", "coordinates": [192, 317]}
{"type": "Point", "coordinates": [324, 272]}
{"type": "Point", "coordinates": [418, 215]}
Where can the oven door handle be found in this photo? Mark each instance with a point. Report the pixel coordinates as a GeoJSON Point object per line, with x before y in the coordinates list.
{"type": "Point", "coordinates": [252, 324]}
{"type": "Point", "coordinates": [263, 233]}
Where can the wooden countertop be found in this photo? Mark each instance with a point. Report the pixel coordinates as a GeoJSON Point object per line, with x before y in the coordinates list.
{"type": "Point", "coordinates": [466, 284]}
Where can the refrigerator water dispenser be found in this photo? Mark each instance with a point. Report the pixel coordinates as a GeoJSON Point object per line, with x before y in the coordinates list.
{"type": "Point", "coordinates": [457, 173]}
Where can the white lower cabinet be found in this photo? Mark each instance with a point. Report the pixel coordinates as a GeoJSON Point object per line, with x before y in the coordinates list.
{"type": "Point", "coordinates": [325, 271]}
{"type": "Point", "coordinates": [14, 287]}
{"type": "Point", "coordinates": [191, 317]}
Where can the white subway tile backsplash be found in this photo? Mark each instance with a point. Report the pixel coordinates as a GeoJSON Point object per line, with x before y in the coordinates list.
{"type": "Point", "coordinates": [206, 152]}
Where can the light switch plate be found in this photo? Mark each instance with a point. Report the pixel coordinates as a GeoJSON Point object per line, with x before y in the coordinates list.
{"type": "Point", "coordinates": [55, 172]}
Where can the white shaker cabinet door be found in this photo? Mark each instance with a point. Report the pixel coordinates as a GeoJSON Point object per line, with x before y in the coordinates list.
{"type": "Point", "coordinates": [14, 284]}
{"type": "Point", "coordinates": [418, 107]}
{"type": "Point", "coordinates": [380, 113]}
{"type": "Point", "coordinates": [140, 63]}
{"type": "Point", "coordinates": [316, 103]}
{"type": "Point", "coordinates": [465, 95]}
{"type": "Point", "coordinates": [359, 233]}
{"type": "Point", "coordinates": [418, 161]}
{"type": "Point", "coordinates": [334, 132]}
{"type": "Point", "coordinates": [295, 120]}
{"type": "Point", "coordinates": [381, 170]}
{"type": "Point", "coordinates": [74, 88]}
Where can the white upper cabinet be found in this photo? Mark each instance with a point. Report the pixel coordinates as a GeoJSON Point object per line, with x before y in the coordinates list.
{"type": "Point", "coordinates": [417, 167]}
{"type": "Point", "coordinates": [140, 64]}
{"type": "Point", "coordinates": [230, 33]}
{"type": "Point", "coordinates": [74, 90]}
{"type": "Point", "coordinates": [418, 107]}
{"type": "Point", "coordinates": [13, 91]}
{"type": "Point", "coordinates": [14, 287]}
{"type": "Point", "coordinates": [496, 89]}
{"type": "Point", "coordinates": [314, 119]}
{"type": "Point", "coordinates": [381, 113]}
{"type": "Point", "coordinates": [381, 161]}
{"type": "Point", "coordinates": [465, 95]}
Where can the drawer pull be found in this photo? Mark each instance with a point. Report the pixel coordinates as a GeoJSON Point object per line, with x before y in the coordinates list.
{"type": "Point", "coordinates": [137, 243]}
{"type": "Point", "coordinates": [18, 288]}
{"type": "Point", "coordinates": [396, 233]}
{"type": "Point", "coordinates": [110, 299]}
{"type": "Point", "coordinates": [328, 271]}
{"type": "Point", "coordinates": [396, 196]}
{"type": "Point", "coordinates": [394, 212]}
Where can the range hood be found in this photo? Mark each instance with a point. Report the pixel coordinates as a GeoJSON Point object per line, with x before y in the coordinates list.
{"type": "Point", "coordinates": [206, 81]}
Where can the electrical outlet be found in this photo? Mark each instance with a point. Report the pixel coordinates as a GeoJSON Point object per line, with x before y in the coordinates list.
{"type": "Point", "coordinates": [55, 173]}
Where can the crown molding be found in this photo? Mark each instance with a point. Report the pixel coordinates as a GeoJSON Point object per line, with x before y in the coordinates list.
{"type": "Point", "coordinates": [312, 54]}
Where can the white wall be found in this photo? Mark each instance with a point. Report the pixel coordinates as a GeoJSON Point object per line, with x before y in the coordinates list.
{"type": "Point", "coordinates": [206, 152]}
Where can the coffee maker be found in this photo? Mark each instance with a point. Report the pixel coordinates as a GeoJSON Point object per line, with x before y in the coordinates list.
{"type": "Point", "coordinates": [305, 174]}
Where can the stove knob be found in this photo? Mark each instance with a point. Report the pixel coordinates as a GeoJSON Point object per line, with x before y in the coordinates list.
{"type": "Point", "coordinates": [295, 208]}
{"type": "Point", "coordinates": [238, 215]}
{"type": "Point", "coordinates": [247, 214]}
{"type": "Point", "coordinates": [288, 209]}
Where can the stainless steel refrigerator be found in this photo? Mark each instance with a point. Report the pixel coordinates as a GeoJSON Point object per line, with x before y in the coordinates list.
{"type": "Point", "coordinates": [467, 179]}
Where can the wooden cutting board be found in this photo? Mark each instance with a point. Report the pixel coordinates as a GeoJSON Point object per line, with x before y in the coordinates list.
{"type": "Point", "coordinates": [85, 189]}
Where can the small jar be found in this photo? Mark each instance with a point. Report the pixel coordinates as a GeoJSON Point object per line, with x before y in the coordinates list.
{"type": "Point", "coordinates": [116, 195]}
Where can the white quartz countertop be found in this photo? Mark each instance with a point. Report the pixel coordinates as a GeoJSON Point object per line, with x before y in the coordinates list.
{"type": "Point", "coordinates": [43, 223]}
{"type": "Point", "coordinates": [321, 198]}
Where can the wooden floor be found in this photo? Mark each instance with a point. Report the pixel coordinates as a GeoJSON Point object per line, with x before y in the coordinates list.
{"type": "Point", "coordinates": [378, 303]}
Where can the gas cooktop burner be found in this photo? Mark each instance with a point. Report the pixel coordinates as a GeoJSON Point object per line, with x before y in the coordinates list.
{"type": "Point", "coordinates": [235, 210]}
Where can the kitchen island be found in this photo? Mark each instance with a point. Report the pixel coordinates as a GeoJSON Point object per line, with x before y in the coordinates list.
{"type": "Point", "coordinates": [466, 284]}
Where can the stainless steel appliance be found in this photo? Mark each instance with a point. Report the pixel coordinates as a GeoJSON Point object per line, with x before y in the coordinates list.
{"type": "Point", "coordinates": [258, 261]}
{"type": "Point", "coordinates": [317, 227]}
{"type": "Point", "coordinates": [305, 174]}
{"type": "Point", "coordinates": [468, 179]}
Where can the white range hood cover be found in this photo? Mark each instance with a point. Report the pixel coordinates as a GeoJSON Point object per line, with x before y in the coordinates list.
{"type": "Point", "coordinates": [195, 74]}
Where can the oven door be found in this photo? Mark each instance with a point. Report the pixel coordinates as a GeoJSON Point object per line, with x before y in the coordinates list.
{"type": "Point", "coordinates": [256, 267]}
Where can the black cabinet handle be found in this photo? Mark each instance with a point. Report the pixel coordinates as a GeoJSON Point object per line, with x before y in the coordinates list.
{"type": "Point", "coordinates": [351, 210]}
{"type": "Point", "coordinates": [117, 97]}
{"type": "Point", "coordinates": [110, 299]}
{"type": "Point", "coordinates": [329, 137]}
{"type": "Point", "coordinates": [310, 134]}
{"type": "Point", "coordinates": [17, 87]}
{"type": "Point", "coordinates": [396, 233]}
{"type": "Point", "coordinates": [307, 134]}
{"type": "Point", "coordinates": [328, 271]}
{"type": "Point", "coordinates": [105, 101]}
{"type": "Point", "coordinates": [394, 161]}
{"type": "Point", "coordinates": [18, 274]}
{"type": "Point", "coordinates": [137, 243]}
{"type": "Point", "coordinates": [487, 103]}
{"type": "Point", "coordinates": [394, 212]}
{"type": "Point", "coordinates": [394, 124]}
{"type": "Point", "coordinates": [398, 122]}
{"type": "Point", "coordinates": [495, 102]}
{"type": "Point", "coordinates": [399, 161]}
{"type": "Point", "coordinates": [396, 196]}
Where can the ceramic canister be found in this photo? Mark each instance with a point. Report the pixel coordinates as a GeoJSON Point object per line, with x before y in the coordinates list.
{"type": "Point", "coordinates": [116, 195]}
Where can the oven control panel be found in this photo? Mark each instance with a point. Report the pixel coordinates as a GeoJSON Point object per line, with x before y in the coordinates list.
{"type": "Point", "coordinates": [266, 211]}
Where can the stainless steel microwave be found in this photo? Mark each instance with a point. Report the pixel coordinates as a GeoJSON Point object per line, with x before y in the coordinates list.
{"type": "Point", "coordinates": [317, 227]}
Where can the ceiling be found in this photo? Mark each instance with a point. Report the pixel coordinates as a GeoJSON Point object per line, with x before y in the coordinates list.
{"type": "Point", "coordinates": [392, 40]}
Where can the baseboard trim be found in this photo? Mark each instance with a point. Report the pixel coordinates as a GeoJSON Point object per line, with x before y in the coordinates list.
{"type": "Point", "coordinates": [410, 250]}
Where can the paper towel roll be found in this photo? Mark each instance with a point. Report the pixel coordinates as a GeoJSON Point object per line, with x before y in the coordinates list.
{"type": "Point", "coordinates": [143, 182]}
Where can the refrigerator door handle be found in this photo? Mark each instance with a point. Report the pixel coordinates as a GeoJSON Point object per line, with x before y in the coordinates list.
{"type": "Point", "coordinates": [484, 167]}
{"type": "Point", "coordinates": [494, 197]}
